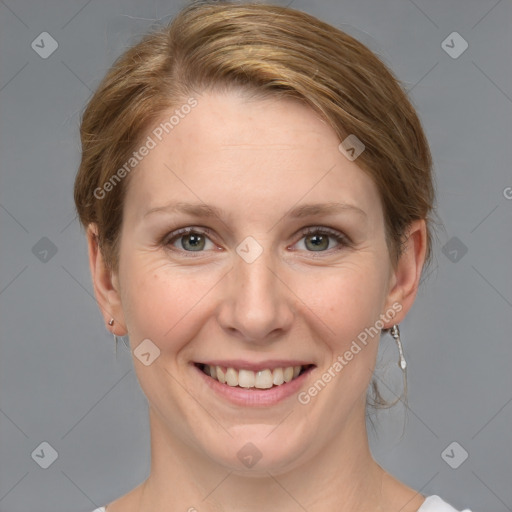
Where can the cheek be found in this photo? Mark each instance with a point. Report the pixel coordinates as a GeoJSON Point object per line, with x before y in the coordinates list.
{"type": "Point", "coordinates": [343, 302]}
{"type": "Point", "coordinates": [341, 310]}
{"type": "Point", "coordinates": [162, 302]}
{"type": "Point", "coordinates": [169, 304]}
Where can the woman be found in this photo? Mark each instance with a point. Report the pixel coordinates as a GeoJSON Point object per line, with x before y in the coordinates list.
{"type": "Point", "coordinates": [257, 191]}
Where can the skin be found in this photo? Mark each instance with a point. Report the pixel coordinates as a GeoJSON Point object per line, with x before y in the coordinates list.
{"type": "Point", "coordinates": [256, 159]}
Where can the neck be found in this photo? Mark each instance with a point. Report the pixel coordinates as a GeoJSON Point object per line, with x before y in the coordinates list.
{"type": "Point", "coordinates": [342, 477]}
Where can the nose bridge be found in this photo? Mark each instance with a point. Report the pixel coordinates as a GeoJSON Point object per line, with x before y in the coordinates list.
{"type": "Point", "coordinates": [254, 277]}
{"type": "Point", "coordinates": [257, 304]}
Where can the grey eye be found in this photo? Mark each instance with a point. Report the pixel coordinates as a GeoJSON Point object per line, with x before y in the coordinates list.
{"type": "Point", "coordinates": [317, 241]}
{"type": "Point", "coordinates": [196, 242]}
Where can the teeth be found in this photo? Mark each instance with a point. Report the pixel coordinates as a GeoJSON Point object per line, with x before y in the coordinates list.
{"type": "Point", "coordinates": [231, 377]}
{"type": "Point", "coordinates": [221, 376]}
{"type": "Point", "coordinates": [278, 378]}
{"type": "Point", "coordinates": [246, 379]}
{"type": "Point", "coordinates": [263, 379]}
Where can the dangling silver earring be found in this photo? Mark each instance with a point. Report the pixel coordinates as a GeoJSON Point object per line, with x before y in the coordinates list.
{"type": "Point", "coordinates": [395, 332]}
{"type": "Point", "coordinates": [111, 323]}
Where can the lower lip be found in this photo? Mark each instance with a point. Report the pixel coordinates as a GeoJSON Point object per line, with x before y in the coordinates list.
{"type": "Point", "coordinates": [255, 397]}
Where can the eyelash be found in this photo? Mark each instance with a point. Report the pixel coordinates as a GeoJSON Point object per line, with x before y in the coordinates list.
{"type": "Point", "coordinates": [342, 239]}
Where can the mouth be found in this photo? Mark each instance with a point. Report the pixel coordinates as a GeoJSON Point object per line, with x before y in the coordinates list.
{"type": "Point", "coordinates": [262, 379]}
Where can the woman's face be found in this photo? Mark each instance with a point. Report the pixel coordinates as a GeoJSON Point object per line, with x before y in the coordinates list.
{"type": "Point", "coordinates": [250, 289]}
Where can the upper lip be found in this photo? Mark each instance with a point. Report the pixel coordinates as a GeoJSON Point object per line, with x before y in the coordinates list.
{"type": "Point", "coordinates": [241, 364]}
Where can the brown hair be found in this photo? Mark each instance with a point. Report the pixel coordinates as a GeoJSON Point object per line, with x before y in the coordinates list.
{"type": "Point", "coordinates": [267, 51]}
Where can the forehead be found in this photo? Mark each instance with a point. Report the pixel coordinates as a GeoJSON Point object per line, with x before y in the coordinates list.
{"type": "Point", "coordinates": [236, 152]}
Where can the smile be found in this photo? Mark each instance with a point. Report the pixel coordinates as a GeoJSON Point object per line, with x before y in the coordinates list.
{"type": "Point", "coordinates": [262, 379]}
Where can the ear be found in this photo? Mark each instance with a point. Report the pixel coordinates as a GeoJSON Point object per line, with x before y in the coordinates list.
{"type": "Point", "coordinates": [106, 285]}
{"type": "Point", "coordinates": [405, 279]}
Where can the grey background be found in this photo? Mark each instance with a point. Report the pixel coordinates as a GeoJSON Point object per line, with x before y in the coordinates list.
{"type": "Point", "coordinates": [59, 379]}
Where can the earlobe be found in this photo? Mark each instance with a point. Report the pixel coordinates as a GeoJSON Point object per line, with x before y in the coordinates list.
{"type": "Point", "coordinates": [406, 277]}
{"type": "Point", "coordinates": [106, 292]}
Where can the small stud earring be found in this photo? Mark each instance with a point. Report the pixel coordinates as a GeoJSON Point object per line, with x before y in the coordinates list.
{"type": "Point", "coordinates": [111, 323]}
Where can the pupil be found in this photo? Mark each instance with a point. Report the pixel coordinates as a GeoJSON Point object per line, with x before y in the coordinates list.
{"type": "Point", "coordinates": [194, 240]}
{"type": "Point", "coordinates": [317, 240]}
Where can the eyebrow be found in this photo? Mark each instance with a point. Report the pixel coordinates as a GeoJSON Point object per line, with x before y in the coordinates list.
{"type": "Point", "coordinates": [307, 210]}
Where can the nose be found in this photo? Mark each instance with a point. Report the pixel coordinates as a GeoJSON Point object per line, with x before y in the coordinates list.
{"type": "Point", "coordinates": [257, 304]}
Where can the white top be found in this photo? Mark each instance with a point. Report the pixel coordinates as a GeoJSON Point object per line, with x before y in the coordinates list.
{"type": "Point", "coordinates": [431, 504]}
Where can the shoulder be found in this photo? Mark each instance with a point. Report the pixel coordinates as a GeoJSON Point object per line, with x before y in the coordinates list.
{"type": "Point", "coordinates": [431, 504]}
{"type": "Point", "coordinates": [436, 504]}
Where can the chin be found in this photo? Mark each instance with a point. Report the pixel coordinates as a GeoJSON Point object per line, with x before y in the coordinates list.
{"type": "Point", "coordinates": [257, 450]}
